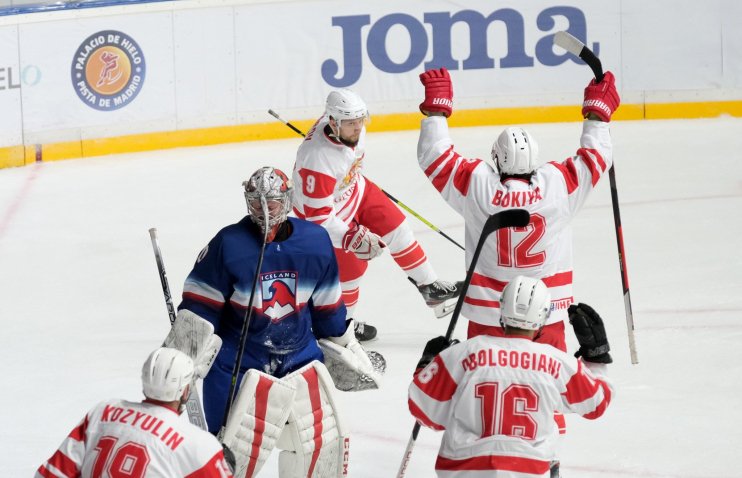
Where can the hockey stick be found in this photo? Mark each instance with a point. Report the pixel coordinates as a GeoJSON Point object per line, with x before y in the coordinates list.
{"type": "Point", "coordinates": [193, 404]}
{"type": "Point", "coordinates": [576, 47]}
{"type": "Point", "coordinates": [394, 200]}
{"type": "Point", "coordinates": [503, 219]}
{"type": "Point", "coordinates": [245, 323]}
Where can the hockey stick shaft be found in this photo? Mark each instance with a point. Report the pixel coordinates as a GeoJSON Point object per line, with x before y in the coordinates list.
{"type": "Point", "coordinates": [193, 404]}
{"type": "Point", "coordinates": [576, 47]}
{"type": "Point", "coordinates": [245, 324]}
{"type": "Point", "coordinates": [392, 198]}
{"type": "Point", "coordinates": [507, 218]}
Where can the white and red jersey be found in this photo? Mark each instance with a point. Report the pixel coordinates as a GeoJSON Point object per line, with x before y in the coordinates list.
{"type": "Point", "coordinates": [328, 184]}
{"type": "Point", "coordinates": [495, 397]}
{"type": "Point", "coordinates": [136, 440]}
{"type": "Point", "coordinates": [542, 249]}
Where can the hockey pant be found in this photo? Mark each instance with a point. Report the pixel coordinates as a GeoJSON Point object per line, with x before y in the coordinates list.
{"type": "Point", "coordinates": [296, 414]}
{"type": "Point", "coordinates": [377, 212]}
{"type": "Point", "coordinates": [551, 334]}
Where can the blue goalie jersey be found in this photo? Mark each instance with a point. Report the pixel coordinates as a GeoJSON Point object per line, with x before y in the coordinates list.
{"type": "Point", "coordinates": [297, 300]}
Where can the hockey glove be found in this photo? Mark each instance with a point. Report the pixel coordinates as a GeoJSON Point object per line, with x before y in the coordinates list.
{"type": "Point", "coordinates": [433, 348]}
{"type": "Point", "coordinates": [194, 336]}
{"type": "Point", "coordinates": [590, 333]}
{"type": "Point", "coordinates": [438, 92]}
{"type": "Point", "coordinates": [363, 243]}
{"type": "Point", "coordinates": [601, 98]}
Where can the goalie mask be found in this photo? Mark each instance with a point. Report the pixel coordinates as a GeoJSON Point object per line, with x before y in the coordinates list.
{"type": "Point", "coordinates": [525, 303]}
{"type": "Point", "coordinates": [515, 152]}
{"type": "Point", "coordinates": [165, 374]}
{"type": "Point", "coordinates": [268, 188]}
{"type": "Point", "coordinates": [345, 105]}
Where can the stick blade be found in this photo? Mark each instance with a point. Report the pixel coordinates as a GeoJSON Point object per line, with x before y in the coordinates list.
{"type": "Point", "coordinates": [507, 218]}
{"type": "Point", "coordinates": [568, 42]}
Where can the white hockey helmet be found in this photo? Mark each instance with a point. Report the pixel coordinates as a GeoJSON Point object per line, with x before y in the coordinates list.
{"type": "Point", "coordinates": [165, 374]}
{"type": "Point", "coordinates": [344, 104]}
{"type": "Point", "coordinates": [515, 152]}
{"type": "Point", "coordinates": [525, 303]}
{"type": "Point", "coordinates": [273, 185]}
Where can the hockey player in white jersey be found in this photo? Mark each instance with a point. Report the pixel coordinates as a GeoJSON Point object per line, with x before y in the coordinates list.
{"type": "Point", "coordinates": [552, 192]}
{"type": "Point", "coordinates": [362, 221]}
{"type": "Point", "coordinates": [495, 397]}
{"type": "Point", "coordinates": [142, 439]}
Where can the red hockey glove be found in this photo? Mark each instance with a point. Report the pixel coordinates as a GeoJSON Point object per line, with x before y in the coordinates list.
{"type": "Point", "coordinates": [438, 92]}
{"type": "Point", "coordinates": [363, 243]}
{"type": "Point", "coordinates": [601, 98]}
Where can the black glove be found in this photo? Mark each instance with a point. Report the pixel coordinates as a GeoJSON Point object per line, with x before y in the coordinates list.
{"type": "Point", "coordinates": [229, 458]}
{"type": "Point", "coordinates": [590, 333]}
{"type": "Point", "coordinates": [433, 348]}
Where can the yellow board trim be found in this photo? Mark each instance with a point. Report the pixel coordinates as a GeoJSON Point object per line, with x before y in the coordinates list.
{"type": "Point", "coordinates": [20, 155]}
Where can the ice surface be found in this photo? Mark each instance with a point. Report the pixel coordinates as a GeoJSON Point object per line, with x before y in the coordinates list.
{"type": "Point", "coordinates": [82, 304]}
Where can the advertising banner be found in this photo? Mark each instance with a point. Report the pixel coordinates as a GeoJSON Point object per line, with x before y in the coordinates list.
{"type": "Point", "coordinates": [501, 49]}
{"type": "Point", "coordinates": [11, 126]}
{"type": "Point", "coordinates": [102, 76]}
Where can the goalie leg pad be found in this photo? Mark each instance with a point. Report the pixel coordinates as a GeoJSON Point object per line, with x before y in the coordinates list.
{"type": "Point", "coordinates": [256, 419]}
{"type": "Point", "coordinates": [195, 337]}
{"type": "Point", "coordinates": [314, 441]}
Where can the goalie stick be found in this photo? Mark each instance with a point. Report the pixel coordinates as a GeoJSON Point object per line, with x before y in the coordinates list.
{"type": "Point", "coordinates": [576, 47]}
{"type": "Point", "coordinates": [394, 200]}
{"type": "Point", "coordinates": [193, 404]}
{"type": "Point", "coordinates": [503, 219]}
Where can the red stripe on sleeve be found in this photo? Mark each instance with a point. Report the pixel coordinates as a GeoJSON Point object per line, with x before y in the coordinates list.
{"type": "Point", "coordinates": [64, 464]}
{"type": "Point", "coordinates": [44, 472]}
{"type": "Point", "coordinates": [462, 176]}
{"type": "Point", "coordinates": [315, 212]}
{"type": "Point", "coordinates": [261, 407]}
{"type": "Point", "coordinates": [593, 160]}
{"type": "Point", "coordinates": [440, 180]}
{"type": "Point", "coordinates": [78, 433]}
{"type": "Point", "coordinates": [581, 386]}
{"type": "Point", "coordinates": [422, 417]}
{"type": "Point", "coordinates": [600, 409]}
{"type": "Point", "coordinates": [569, 171]}
{"type": "Point", "coordinates": [434, 165]}
{"type": "Point", "coordinates": [214, 468]}
{"type": "Point", "coordinates": [316, 185]}
{"type": "Point", "coordinates": [211, 303]}
{"type": "Point", "coordinates": [441, 386]}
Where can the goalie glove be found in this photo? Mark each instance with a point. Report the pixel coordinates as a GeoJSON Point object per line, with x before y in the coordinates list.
{"type": "Point", "coordinates": [349, 364]}
{"type": "Point", "coordinates": [590, 333]}
{"type": "Point", "coordinates": [195, 337]}
{"type": "Point", "coordinates": [363, 243]}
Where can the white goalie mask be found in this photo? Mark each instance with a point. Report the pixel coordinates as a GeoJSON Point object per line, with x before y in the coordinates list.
{"type": "Point", "coordinates": [344, 105]}
{"type": "Point", "coordinates": [525, 303]}
{"type": "Point", "coordinates": [515, 152]}
{"type": "Point", "coordinates": [165, 374]}
{"type": "Point", "coordinates": [268, 187]}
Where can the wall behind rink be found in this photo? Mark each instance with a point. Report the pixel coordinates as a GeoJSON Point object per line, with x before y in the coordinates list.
{"type": "Point", "coordinates": [141, 77]}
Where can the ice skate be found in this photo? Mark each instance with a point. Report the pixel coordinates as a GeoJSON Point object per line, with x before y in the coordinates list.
{"type": "Point", "coordinates": [364, 332]}
{"type": "Point", "coordinates": [439, 291]}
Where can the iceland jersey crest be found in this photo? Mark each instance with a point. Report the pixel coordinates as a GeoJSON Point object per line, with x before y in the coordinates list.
{"type": "Point", "coordinates": [279, 294]}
